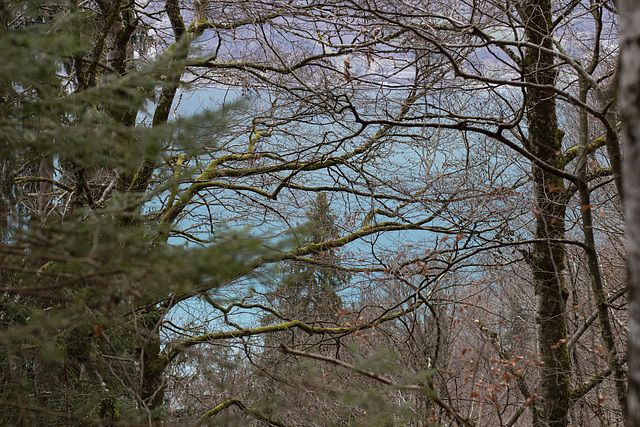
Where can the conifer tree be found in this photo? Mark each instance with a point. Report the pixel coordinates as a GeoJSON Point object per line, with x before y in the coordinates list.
{"type": "Point", "coordinates": [310, 290]}
{"type": "Point", "coordinates": [86, 269]}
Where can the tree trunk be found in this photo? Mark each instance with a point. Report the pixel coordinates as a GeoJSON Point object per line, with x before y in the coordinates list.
{"type": "Point", "coordinates": [597, 286]}
{"type": "Point", "coordinates": [154, 362]}
{"type": "Point", "coordinates": [548, 256]}
{"type": "Point", "coordinates": [630, 103]}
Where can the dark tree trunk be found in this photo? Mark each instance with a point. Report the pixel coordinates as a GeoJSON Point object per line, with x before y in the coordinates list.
{"type": "Point", "coordinates": [548, 256]}
{"type": "Point", "coordinates": [154, 362]}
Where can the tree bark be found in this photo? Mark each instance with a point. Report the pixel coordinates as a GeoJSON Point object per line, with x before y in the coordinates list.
{"type": "Point", "coordinates": [630, 105]}
{"type": "Point", "coordinates": [153, 361]}
{"type": "Point", "coordinates": [597, 286]}
{"type": "Point", "coordinates": [548, 257]}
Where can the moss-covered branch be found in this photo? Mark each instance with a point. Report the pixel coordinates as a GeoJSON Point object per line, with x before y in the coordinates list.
{"type": "Point", "coordinates": [255, 413]}
{"type": "Point", "coordinates": [294, 324]}
{"type": "Point", "coordinates": [173, 12]}
{"type": "Point", "coordinates": [212, 172]}
{"type": "Point", "coordinates": [573, 152]}
{"type": "Point", "coordinates": [584, 388]}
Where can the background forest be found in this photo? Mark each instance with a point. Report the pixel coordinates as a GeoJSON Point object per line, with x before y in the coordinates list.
{"type": "Point", "coordinates": [313, 212]}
